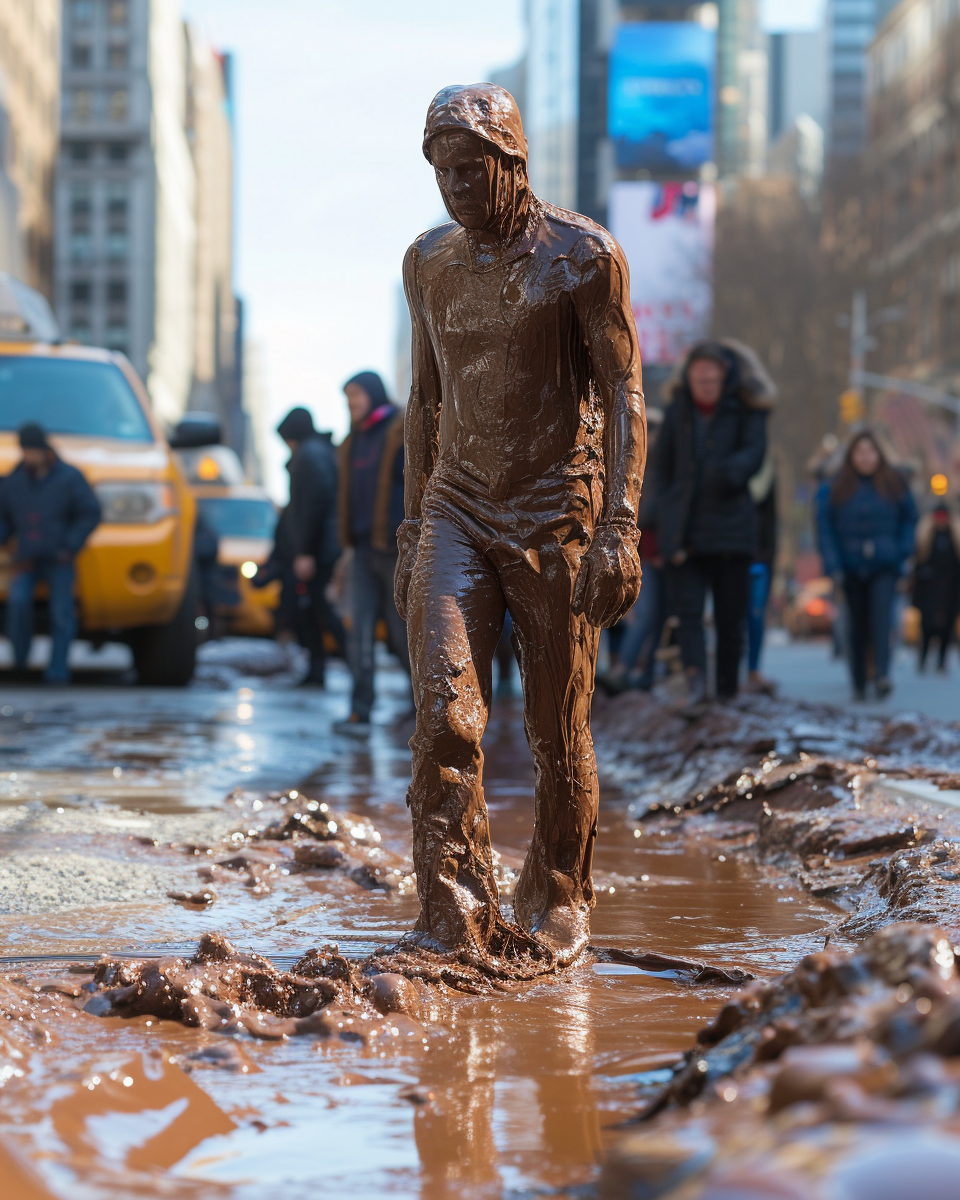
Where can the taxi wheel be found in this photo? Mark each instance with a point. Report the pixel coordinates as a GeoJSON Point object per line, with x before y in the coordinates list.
{"type": "Point", "coordinates": [166, 655]}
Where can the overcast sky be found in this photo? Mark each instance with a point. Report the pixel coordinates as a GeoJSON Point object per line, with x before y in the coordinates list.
{"type": "Point", "coordinates": [332, 187]}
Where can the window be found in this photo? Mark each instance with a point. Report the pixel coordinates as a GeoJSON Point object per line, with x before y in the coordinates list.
{"type": "Point", "coordinates": [80, 328]}
{"type": "Point", "coordinates": [81, 247]}
{"type": "Point", "coordinates": [117, 57]}
{"type": "Point", "coordinates": [83, 398]}
{"type": "Point", "coordinates": [117, 291]}
{"type": "Point", "coordinates": [81, 12]}
{"type": "Point", "coordinates": [116, 247]}
{"type": "Point", "coordinates": [81, 209]}
{"type": "Point", "coordinates": [117, 208]}
{"type": "Point", "coordinates": [81, 151]}
{"type": "Point", "coordinates": [81, 54]}
{"type": "Point", "coordinates": [81, 291]}
{"type": "Point", "coordinates": [82, 109]}
{"type": "Point", "coordinates": [117, 12]}
{"type": "Point", "coordinates": [117, 152]}
{"type": "Point", "coordinates": [236, 517]}
{"type": "Point", "coordinates": [118, 106]}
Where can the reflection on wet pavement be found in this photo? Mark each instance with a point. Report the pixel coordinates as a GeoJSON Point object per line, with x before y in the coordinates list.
{"type": "Point", "coordinates": [502, 1095]}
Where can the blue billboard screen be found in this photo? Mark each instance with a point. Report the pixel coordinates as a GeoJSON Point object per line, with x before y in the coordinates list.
{"type": "Point", "coordinates": [660, 100]}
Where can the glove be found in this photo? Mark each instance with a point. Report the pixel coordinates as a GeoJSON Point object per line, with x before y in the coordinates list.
{"type": "Point", "coordinates": [408, 543]}
{"type": "Point", "coordinates": [609, 579]}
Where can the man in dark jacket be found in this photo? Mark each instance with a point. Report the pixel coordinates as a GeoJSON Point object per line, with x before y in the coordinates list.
{"type": "Point", "coordinates": [371, 509]}
{"type": "Point", "coordinates": [712, 441]}
{"type": "Point", "coordinates": [50, 510]}
{"type": "Point", "coordinates": [309, 527]}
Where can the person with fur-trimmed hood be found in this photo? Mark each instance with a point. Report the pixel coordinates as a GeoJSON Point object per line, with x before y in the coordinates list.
{"type": "Point", "coordinates": [713, 440]}
{"type": "Point", "coordinates": [936, 581]}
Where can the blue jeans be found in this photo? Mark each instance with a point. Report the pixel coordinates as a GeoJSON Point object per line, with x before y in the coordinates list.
{"type": "Point", "coordinates": [58, 577]}
{"type": "Point", "coordinates": [870, 615]}
{"type": "Point", "coordinates": [757, 612]}
{"type": "Point", "coordinates": [372, 585]}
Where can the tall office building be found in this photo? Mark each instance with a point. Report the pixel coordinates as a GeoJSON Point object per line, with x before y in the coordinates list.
{"type": "Point", "coordinates": [798, 79]}
{"type": "Point", "coordinates": [29, 102]}
{"type": "Point", "coordinates": [126, 191]}
{"type": "Point", "coordinates": [742, 72]}
{"type": "Point", "coordinates": [144, 204]}
{"type": "Point", "coordinates": [218, 328]}
{"type": "Point", "coordinates": [552, 95]}
{"type": "Point", "coordinates": [852, 25]}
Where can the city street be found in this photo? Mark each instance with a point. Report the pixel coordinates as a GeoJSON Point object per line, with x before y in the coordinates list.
{"type": "Point", "coordinates": [807, 670]}
{"type": "Point", "coordinates": [115, 796]}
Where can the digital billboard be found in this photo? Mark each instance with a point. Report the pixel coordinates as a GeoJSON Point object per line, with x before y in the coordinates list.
{"type": "Point", "coordinates": [660, 100]}
{"type": "Point", "coordinates": [666, 231]}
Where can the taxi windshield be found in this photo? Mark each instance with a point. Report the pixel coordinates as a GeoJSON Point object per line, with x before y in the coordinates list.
{"type": "Point", "coordinates": [87, 399]}
{"type": "Point", "coordinates": [230, 516]}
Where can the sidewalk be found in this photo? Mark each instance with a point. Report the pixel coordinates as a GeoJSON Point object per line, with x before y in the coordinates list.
{"type": "Point", "coordinates": [807, 670]}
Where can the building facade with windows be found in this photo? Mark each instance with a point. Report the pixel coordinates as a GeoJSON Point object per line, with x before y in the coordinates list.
{"type": "Point", "coordinates": [912, 164]}
{"type": "Point", "coordinates": [29, 119]}
{"type": "Point", "coordinates": [851, 25]}
{"type": "Point", "coordinates": [125, 210]}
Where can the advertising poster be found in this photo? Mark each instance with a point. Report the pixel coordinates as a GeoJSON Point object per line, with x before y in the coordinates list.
{"type": "Point", "coordinates": [660, 100]}
{"type": "Point", "coordinates": [666, 231]}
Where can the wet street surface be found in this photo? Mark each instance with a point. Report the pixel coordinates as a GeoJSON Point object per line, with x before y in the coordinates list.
{"type": "Point", "coordinates": [117, 796]}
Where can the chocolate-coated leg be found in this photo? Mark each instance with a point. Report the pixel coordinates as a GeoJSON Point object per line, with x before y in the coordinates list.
{"type": "Point", "coordinates": [455, 614]}
{"type": "Point", "coordinates": [558, 655]}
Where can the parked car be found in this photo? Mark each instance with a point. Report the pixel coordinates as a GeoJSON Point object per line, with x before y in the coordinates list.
{"type": "Point", "coordinates": [813, 610]}
{"type": "Point", "coordinates": [135, 576]}
{"type": "Point", "coordinates": [239, 520]}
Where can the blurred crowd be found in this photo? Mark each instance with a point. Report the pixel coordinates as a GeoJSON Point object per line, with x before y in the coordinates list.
{"type": "Point", "coordinates": [335, 548]}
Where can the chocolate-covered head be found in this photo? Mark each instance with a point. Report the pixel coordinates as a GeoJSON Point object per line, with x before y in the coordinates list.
{"type": "Point", "coordinates": [475, 142]}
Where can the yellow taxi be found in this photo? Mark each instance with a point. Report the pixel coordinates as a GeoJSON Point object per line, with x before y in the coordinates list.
{"type": "Point", "coordinates": [135, 578]}
{"type": "Point", "coordinates": [237, 520]}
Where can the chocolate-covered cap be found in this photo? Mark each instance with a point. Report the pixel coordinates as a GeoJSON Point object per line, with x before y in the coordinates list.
{"type": "Point", "coordinates": [485, 109]}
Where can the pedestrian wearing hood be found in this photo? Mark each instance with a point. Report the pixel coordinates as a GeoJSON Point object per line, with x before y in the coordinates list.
{"type": "Point", "coordinates": [371, 510]}
{"type": "Point", "coordinates": [865, 525]}
{"type": "Point", "coordinates": [936, 582]}
{"type": "Point", "coordinates": [307, 547]}
{"type": "Point", "coordinates": [50, 510]}
{"type": "Point", "coordinates": [712, 441]}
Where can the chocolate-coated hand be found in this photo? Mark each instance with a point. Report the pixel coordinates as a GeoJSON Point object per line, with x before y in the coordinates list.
{"type": "Point", "coordinates": [408, 540]}
{"type": "Point", "coordinates": [609, 580]}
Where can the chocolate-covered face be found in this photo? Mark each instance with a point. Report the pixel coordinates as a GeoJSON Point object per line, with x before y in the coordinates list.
{"type": "Point", "coordinates": [463, 175]}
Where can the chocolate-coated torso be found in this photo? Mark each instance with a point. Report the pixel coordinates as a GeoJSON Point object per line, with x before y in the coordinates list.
{"type": "Point", "coordinates": [509, 346]}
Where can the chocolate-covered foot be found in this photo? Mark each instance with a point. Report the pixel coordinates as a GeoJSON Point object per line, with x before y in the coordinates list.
{"type": "Point", "coordinates": [564, 931]}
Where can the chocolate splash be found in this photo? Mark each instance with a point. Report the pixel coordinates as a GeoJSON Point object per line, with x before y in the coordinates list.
{"type": "Point", "coordinates": [525, 446]}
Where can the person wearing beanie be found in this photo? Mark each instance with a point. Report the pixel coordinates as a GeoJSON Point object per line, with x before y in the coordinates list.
{"type": "Point", "coordinates": [307, 548]}
{"type": "Point", "coordinates": [371, 509]}
{"type": "Point", "coordinates": [49, 510]}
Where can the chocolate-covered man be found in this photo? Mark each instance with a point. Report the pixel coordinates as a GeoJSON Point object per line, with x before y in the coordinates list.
{"type": "Point", "coordinates": [525, 445]}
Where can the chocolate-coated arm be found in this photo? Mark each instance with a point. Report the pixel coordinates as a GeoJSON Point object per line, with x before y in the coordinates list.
{"type": "Point", "coordinates": [608, 581]}
{"type": "Point", "coordinates": [422, 420]}
{"type": "Point", "coordinates": [606, 316]}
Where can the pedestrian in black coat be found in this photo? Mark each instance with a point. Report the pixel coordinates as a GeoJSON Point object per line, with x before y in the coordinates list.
{"type": "Point", "coordinates": [936, 582]}
{"type": "Point", "coordinates": [712, 441]}
{"type": "Point", "coordinates": [50, 510]}
{"type": "Point", "coordinates": [309, 527]}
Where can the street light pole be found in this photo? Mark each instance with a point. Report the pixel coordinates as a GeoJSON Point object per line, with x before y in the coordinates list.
{"type": "Point", "coordinates": [858, 344]}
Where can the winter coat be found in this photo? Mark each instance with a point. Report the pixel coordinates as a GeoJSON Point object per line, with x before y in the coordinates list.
{"type": "Point", "coordinates": [763, 490]}
{"type": "Point", "coordinates": [310, 519]}
{"type": "Point", "coordinates": [371, 483]}
{"type": "Point", "coordinates": [936, 580]}
{"type": "Point", "coordinates": [50, 517]}
{"type": "Point", "coordinates": [867, 533]}
{"type": "Point", "coordinates": [703, 505]}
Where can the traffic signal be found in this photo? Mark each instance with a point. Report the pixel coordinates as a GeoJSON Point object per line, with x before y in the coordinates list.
{"type": "Point", "coordinates": [851, 406]}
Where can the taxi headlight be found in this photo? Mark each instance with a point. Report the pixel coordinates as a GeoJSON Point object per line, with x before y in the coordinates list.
{"type": "Point", "coordinates": [134, 503]}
